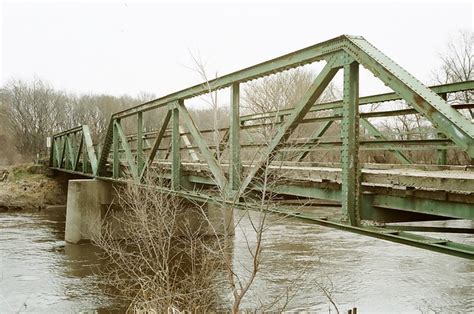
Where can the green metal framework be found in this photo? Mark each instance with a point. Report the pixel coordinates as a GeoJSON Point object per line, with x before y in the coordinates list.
{"type": "Point", "coordinates": [362, 192]}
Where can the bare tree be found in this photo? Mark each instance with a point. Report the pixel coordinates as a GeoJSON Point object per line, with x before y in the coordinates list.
{"type": "Point", "coordinates": [275, 93]}
{"type": "Point", "coordinates": [210, 98]}
{"type": "Point", "coordinates": [457, 65]}
{"type": "Point", "coordinates": [9, 153]}
{"type": "Point", "coordinates": [34, 111]}
{"type": "Point", "coordinates": [279, 91]}
{"type": "Point", "coordinates": [96, 110]}
{"type": "Point", "coordinates": [282, 91]}
{"type": "Point", "coordinates": [272, 94]}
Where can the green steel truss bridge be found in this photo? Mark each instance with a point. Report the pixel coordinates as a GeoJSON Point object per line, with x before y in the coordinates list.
{"type": "Point", "coordinates": [227, 164]}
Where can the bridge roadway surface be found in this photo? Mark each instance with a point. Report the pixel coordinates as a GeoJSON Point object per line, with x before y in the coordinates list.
{"type": "Point", "coordinates": [449, 179]}
{"type": "Point", "coordinates": [438, 183]}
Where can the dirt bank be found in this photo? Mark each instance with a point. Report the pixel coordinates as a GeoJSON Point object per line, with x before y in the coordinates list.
{"type": "Point", "coordinates": [30, 187]}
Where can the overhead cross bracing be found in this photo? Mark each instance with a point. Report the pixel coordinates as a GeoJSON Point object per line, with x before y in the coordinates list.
{"type": "Point", "coordinates": [368, 196]}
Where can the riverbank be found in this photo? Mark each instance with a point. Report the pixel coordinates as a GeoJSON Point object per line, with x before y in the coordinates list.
{"type": "Point", "coordinates": [30, 188]}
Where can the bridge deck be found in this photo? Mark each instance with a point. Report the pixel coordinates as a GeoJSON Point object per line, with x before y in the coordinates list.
{"type": "Point", "coordinates": [453, 180]}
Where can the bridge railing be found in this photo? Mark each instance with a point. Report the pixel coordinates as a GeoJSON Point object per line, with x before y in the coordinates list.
{"type": "Point", "coordinates": [377, 141]}
{"type": "Point", "coordinates": [73, 150]}
{"type": "Point", "coordinates": [70, 150]}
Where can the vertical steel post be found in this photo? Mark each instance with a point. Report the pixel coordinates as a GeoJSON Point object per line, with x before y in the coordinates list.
{"type": "Point", "coordinates": [51, 151]}
{"type": "Point", "coordinates": [235, 166]}
{"type": "Point", "coordinates": [115, 151]}
{"type": "Point", "coordinates": [140, 156]}
{"type": "Point", "coordinates": [71, 148]}
{"type": "Point", "coordinates": [175, 147]}
{"type": "Point", "coordinates": [442, 154]}
{"type": "Point", "coordinates": [61, 151]}
{"type": "Point", "coordinates": [66, 151]}
{"type": "Point", "coordinates": [99, 150]}
{"type": "Point", "coordinates": [84, 155]}
{"type": "Point", "coordinates": [57, 145]}
{"type": "Point", "coordinates": [56, 152]}
{"type": "Point", "coordinates": [74, 150]}
{"type": "Point", "coordinates": [350, 145]}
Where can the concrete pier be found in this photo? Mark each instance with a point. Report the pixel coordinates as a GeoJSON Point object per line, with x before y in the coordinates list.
{"type": "Point", "coordinates": [209, 219]}
{"type": "Point", "coordinates": [221, 219]}
{"type": "Point", "coordinates": [87, 200]}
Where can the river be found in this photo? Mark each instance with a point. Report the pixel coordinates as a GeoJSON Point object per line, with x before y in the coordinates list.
{"type": "Point", "coordinates": [39, 272]}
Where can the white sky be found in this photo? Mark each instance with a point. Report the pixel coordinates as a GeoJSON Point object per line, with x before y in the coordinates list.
{"type": "Point", "coordinates": [127, 47]}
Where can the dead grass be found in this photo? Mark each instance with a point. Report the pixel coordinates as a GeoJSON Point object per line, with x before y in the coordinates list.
{"type": "Point", "coordinates": [28, 187]}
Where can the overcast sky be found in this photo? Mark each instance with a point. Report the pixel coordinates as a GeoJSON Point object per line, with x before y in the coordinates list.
{"type": "Point", "coordinates": [127, 47]}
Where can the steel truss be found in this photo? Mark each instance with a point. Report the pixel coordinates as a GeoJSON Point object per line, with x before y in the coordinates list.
{"type": "Point", "coordinates": [363, 193]}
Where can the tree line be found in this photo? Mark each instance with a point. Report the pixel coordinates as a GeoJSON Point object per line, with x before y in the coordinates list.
{"type": "Point", "coordinates": [33, 110]}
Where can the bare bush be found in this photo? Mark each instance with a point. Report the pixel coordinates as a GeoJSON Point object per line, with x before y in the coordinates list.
{"type": "Point", "coordinates": [162, 261]}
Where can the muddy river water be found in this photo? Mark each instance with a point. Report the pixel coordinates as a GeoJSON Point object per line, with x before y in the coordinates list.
{"type": "Point", "coordinates": [40, 273]}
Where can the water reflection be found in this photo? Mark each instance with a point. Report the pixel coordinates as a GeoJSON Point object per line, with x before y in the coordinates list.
{"type": "Point", "coordinates": [372, 275]}
{"type": "Point", "coordinates": [40, 273]}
